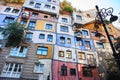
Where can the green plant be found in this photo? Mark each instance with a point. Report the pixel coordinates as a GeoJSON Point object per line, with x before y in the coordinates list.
{"type": "Point", "coordinates": [13, 33]}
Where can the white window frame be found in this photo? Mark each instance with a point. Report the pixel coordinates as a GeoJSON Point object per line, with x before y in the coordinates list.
{"type": "Point", "coordinates": [39, 68]}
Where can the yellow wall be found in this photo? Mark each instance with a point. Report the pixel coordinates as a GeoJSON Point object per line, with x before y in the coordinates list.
{"type": "Point", "coordinates": [50, 50]}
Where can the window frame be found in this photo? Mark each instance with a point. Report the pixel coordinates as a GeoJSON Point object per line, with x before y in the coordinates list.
{"type": "Point", "coordinates": [65, 20]}
{"type": "Point", "coordinates": [63, 70]}
{"type": "Point", "coordinates": [32, 25]}
{"type": "Point", "coordinates": [81, 56]}
{"type": "Point", "coordinates": [49, 38]}
{"type": "Point", "coordinates": [49, 26]}
{"type": "Point", "coordinates": [43, 52]}
{"type": "Point", "coordinates": [62, 40]}
{"type": "Point", "coordinates": [87, 72]}
{"type": "Point", "coordinates": [72, 71]}
{"type": "Point", "coordinates": [68, 54]}
{"type": "Point", "coordinates": [59, 53]}
{"type": "Point", "coordinates": [8, 19]}
{"type": "Point", "coordinates": [64, 29]}
{"type": "Point", "coordinates": [39, 68]}
{"type": "Point", "coordinates": [37, 5]}
{"type": "Point", "coordinates": [42, 36]}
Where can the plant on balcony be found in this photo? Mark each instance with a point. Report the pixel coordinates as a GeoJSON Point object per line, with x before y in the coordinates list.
{"type": "Point", "coordinates": [66, 6]}
{"type": "Point", "coordinates": [13, 34]}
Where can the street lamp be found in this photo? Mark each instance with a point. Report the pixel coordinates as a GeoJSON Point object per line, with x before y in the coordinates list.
{"type": "Point", "coordinates": [101, 15]}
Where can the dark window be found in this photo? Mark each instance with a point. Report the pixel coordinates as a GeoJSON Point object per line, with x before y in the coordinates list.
{"type": "Point", "coordinates": [62, 40]}
{"type": "Point", "coordinates": [7, 10]}
{"type": "Point", "coordinates": [37, 5]}
{"type": "Point", "coordinates": [87, 72]}
{"type": "Point", "coordinates": [61, 54]}
{"type": "Point", "coordinates": [64, 70]}
{"type": "Point", "coordinates": [64, 28]}
{"type": "Point", "coordinates": [72, 71]}
{"type": "Point", "coordinates": [50, 38]}
{"type": "Point", "coordinates": [31, 25]}
{"type": "Point", "coordinates": [42, 36]}
{"type": "Point", "coordinates": [15, 11]}
{"type": "Point", "coordinates": [53, 8]}
{"type": "Point", "coordinates": [8, 19]}
{"type": "Point", "coordinates": [45, 16]}
{"type": "Point", "coordinates": [42, 50]}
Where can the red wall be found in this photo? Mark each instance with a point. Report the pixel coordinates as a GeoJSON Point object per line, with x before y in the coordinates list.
{"type": "Point", "coordinates": [57, 68]}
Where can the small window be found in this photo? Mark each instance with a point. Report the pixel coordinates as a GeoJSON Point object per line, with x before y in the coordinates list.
{"type": "Point", "coordinates": [7, 10]}
{"type": "Point", "coordinates": [64, 28]}
{"type": "Point", "coordinates": [39, 68]}
{"type": "Point", "coordinates": [61, 54]}
{"type": "Point", "coordinates": [68, 40]}
{"type": "Point", "coordinates": [81, 55]}
{"type": "Point", "coordinates": [45, 16]}
{"type": "Point", "coordinates": [23, 22]}
{"type": "Point", "coordinates": [31, 3]}
{"type": "Point", "coordinates": [15, 11]}
{"type": "Point", "coordinates": [78, 17]}
{"type": "Point", "coordinates": [29, 37]}
{"type": "Point", "coordinates": [42, 50]}
{"type": "Point", "coordinates": [63, 70]}
{"type": "Point", "coordinates": [100, 45]}
{"type": "Point", "coordinates": [79, 43]}
{"type": "Point", "coordinates": [87, 72]}
{"type": "Point", "coordinates": [37, 5]}
{"type": "Point", "coordinates": [42, 36]}
{"type": "Point", "coordinates": [87, 45]}
{"type": "Point", "coordinates": [50, 38]}
{"type": "Point", "coordinates": [62, 40]}
{"type": "Point", "coordinates": [49, 26]}
{"type": "Point", "coordinates": [9, 19]}
{"type": "Point", "coordinates": [47, 6]}
{"type": "Point", "coordinates": [34, 14]}
{"type": "Point", "coordinates": [85, 33]}
{"type": "Point", "coordinates": [64, 20]}
{"type": "Point", "coordinates": [53, 8]}
{"type": "Point", "coordinates": [68, 54]}
{"type": "Point", "coordinates": [31, 25]}
{"type": "Point", "coordinates": [72, 72]}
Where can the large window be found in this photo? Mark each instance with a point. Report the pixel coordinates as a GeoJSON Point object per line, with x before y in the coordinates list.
{"type": "Point", "coordinates": [87, 72]}
{"type": "Point", "coordinates": [64, 28]}
{"type": "Point", "coordinates": [42, 36]}
{"type": "Point", "coordinates": [29, 37]}
{"type": "Point", "coordinates": [68, 54]}
{"type": "Point", "coordinates": [85, 33]}
{"type": "Point", "coordinates": [62, 40]}
{"type": "Point", "coordinates": [81, 55]}
{"type": "Point", "coordinates": [12, 70]}
{"type": "Point", "coordinates": [39, 68]}
{"type": "Point", "coordinates": [31, 25]}
{"type": "Point", "coordinates": [64, 20]}
{"type": "Point", "coordinates": [49, 26]}
{"type": "Point", "coordinates": [9, 19]}
{"type": "Point", "coordinates": [61, 53]}
{"type": "Point", "coordinates": [37, 5]}
{"type": "Point", "coordinates": [87, 45]}
{"type": "Point", "coordinates": [7, 10]}
{"type": "Point", "coordinates": [100, 45]}
{"type": "Point", "coordinates": [19, 51]}
{"type": "Point", "coordinates": [42, 50]}
{"type": "Point", "coordinates": [72, 71]}
{"type": "Point", "coordinates": [50, 38]}
{"type": "Point", "coordinates": [64, 70]}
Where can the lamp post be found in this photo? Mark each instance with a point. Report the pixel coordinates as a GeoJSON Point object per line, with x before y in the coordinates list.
{"type": "Point", "coordinates": [102, 14]}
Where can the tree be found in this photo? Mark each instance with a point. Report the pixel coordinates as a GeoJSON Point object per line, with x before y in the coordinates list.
{"type": "Point", "coordinates": [13, 33]}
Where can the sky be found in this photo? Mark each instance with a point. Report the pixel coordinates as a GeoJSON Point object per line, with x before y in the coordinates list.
{"type": "Point", "coordinates": [90, 4]}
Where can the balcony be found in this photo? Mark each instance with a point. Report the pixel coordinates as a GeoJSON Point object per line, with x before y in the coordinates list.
{"type": "Point", "coordinates": [102, 39]}
{"type": "Point", "coordinates": [25, 15]}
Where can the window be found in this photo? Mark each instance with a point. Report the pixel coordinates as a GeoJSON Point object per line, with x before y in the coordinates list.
{"type": "Point", "coordinates": [53, 8]}
{"type": "Point", "coordinates": [50, 38]}
{"type": "Point", "coordinates": [81, 55]}
{"type": "Point", "coordinates": [37, 5]}
{"type": "Point", "coordinates": [62, 40]}
{"type": "Point", "coordinates": [61, 54]}
{"type": "Point", "coordinates": [72, 72]}
{"type": "Point", "coordinates": [87, 45]}
{"type": "Point", "coordinates": [112, 37]}
{"type": "Point", "coordinates": [68, 54]}
{"type": "Point", "coordinates": [78, 17]}
{"type": "Point", "coordinates": [31, 25]}
{"type": "Point", "coordinates": [79, 43]}
{"type": "Point", "coordinates": [12, 70]}
{"type": "Point", "coordinates": [34, 14]}
{"type": "Point", "coordinates": [42, 36]}
{"type": "Point", "coordinates": [42, 50]}
{"type": "Point", "coordinates": [15, 11]}
{"type": "Point", "coordinates": [8, 19]}
{"type": "Point", "coordinates": [49, 26]}
{"type": "Point", "coordinates": [87, 72]}
{"type": "Point", "coordinates": [31, 3]}
{"type": "Point", "coordinates": [29, 37]}
{"type": "Point", "coordinates": [68, 40]}
{"type": "Point", "coordinates": [64, 28]}
{"type": "Point", "coordinates": [90, 56]}
{"type": "Point", "coordinates": [7, 10]}
{"type": "Point", "coordinates": [45, 16]}
{"type": "Point", "coordinates": [23, 22]}
{"type": "Point", "coordinates": [47, 6]}
{"type": "Point", "coordinates": [64, 20]}
{"type": "Point", "coordinates": [63, 70]}
{"type": "Point", "coordinates": [49, 0]}
{"type": "Point", "coordinates": [19, 51]}
{"type": "Point", "coordinates": [85, 33]}
{"type": "Point", "coordinates": [39, 68]}
{"type": "Point", "coordinates": [100, 45]}
{"type": "Point", "coordinates": [93, 33]}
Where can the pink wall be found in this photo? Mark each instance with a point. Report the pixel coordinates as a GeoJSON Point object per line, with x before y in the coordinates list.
{"type": "Point", "coordinates": [95, 75]}
{"type": "Point", "coordinates": [57, 68]}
